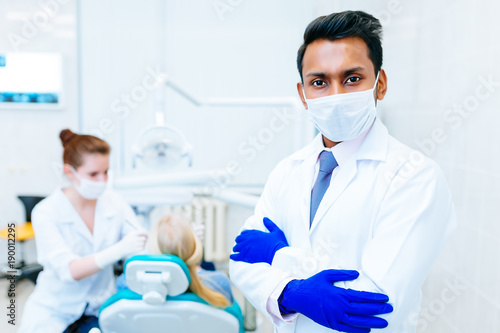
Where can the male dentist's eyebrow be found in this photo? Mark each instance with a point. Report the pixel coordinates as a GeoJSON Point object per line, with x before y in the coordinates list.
{"type": "Point", "coordinates": [317, 74]}
{"type": "Point", "coordinates": [349, 71]}
{"type": "Point", "coordinates": [345, 73]}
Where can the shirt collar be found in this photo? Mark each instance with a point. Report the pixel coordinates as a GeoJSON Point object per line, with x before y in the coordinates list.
{"type": "Point", "coordinates": [344, 150]}
{"type": "Point", "coordinates": [371, 145]}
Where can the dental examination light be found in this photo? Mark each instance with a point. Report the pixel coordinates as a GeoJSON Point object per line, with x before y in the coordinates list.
{"type": "Point", "coordinates": [164, 148]}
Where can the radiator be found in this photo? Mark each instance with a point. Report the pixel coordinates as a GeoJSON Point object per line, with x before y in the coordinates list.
{"type": "Point", "coordinates": [212, 214]}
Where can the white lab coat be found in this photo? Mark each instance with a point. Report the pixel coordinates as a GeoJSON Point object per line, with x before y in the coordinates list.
{"type": "Point", "coordinates": [386, 214]}
{"type": "Point", "coordinates": [61, 236]}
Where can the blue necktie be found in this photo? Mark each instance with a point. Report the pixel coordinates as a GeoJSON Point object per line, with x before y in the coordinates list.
{"type": "Point", "coordinates": [326, 165]}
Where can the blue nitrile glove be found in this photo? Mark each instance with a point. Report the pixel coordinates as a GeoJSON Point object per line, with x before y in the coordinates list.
{"type": "Point", "coordinates": [254, 246]}
{"type": "Point", "coordinates": [344, 310]}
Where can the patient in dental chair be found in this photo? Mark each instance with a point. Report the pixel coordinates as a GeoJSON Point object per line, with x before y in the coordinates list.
{"type": "Point", "coordinates": [173, 235]}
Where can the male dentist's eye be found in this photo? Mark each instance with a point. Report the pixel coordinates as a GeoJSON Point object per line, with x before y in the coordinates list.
{"type": "Point", "coordinates": [353, 79]}
{"type": "Point", "coordinates": [318, 83]}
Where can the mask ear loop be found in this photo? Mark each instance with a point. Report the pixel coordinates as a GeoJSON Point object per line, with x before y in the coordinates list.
{"type": "Point", "coordinates": [375, 90]}
{"type": "Point", "coordinates": [304, 94]}
{"type": "Point", "coordinates": [376, 80]}
{"type": "Point", "coordinates": [74, 172]}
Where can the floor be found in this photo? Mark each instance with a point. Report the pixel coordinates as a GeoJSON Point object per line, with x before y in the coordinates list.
{"type": "Point", "coordinates": [22, 291]}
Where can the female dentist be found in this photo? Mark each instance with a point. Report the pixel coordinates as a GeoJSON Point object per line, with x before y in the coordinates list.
{"type": "Point", "coordinates": [80, 231]}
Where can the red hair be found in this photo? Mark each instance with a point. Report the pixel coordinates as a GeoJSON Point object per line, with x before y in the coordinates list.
{"type": "Point", "coordinates": [76, 146]}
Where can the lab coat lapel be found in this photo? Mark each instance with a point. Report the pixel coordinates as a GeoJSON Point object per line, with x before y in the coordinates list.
{"type": "Point", "coordinates": [307, 173]}
{"type": "Point", "coordinates": [78, 226]}
{"type": "Point", "coordinates": [342, 179]}
{"type": "Point", "coordinates": [103, 221]}
{"type": "Point", "coordinates": [69, 215]}
{"type": "Point", "coordinates": [304, 178]}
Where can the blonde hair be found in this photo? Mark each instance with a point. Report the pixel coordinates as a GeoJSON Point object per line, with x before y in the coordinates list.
{"type": "Point", "coordinates": [173, 235]}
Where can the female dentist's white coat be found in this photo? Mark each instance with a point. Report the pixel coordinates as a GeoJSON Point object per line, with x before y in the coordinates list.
{"type": "Point", "coordinates": [386, 214]}
{"type": "Point", "coordinates": [61, 237]}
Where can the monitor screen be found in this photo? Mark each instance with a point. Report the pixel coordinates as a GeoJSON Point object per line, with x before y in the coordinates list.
{"type": "Point", "coordinates": [30, 80]}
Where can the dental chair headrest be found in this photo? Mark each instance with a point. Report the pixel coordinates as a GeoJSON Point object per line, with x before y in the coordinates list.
{"type": "Point", "coordinates": [156, 276]}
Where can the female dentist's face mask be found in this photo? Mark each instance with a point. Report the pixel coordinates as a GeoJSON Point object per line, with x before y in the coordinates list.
{"type": "Point", "coordinates": [89, 189]}
{"type": "Point", "coordinates": [343, 117]}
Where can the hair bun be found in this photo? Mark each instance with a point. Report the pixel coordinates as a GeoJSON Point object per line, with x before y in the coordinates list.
{"type": "Point", "coordinates": [66, 135]}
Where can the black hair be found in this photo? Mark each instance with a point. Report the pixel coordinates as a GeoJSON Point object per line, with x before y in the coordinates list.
{"type": "Point", "coordinates": [341, 25]}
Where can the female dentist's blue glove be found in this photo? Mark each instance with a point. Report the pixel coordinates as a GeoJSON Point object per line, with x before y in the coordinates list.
{"type": "Point", "coordinates": [344, 310]}
{"type": "Point", "coordinates": [254, 246]}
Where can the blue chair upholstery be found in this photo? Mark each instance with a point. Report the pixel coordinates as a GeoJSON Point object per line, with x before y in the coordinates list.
{"type": "Point", "coordinates": [127, 310]}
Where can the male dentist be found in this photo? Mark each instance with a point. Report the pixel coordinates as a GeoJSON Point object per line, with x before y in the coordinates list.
{"type": "Point", "coordinates": [347, 228]}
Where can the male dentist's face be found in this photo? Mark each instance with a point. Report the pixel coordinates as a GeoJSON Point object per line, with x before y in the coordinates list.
{"type": "Point", "coordinates": [338, 67]}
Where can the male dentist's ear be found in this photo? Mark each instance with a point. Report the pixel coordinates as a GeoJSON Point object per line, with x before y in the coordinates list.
{"type": "Point", "coordinates": [382, 85]}
{"type": "Point", "coordinates": [300, 90]}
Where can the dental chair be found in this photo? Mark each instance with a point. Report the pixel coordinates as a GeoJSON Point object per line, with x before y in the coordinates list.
{"type": "Point", "coordinates": [158, 302]}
